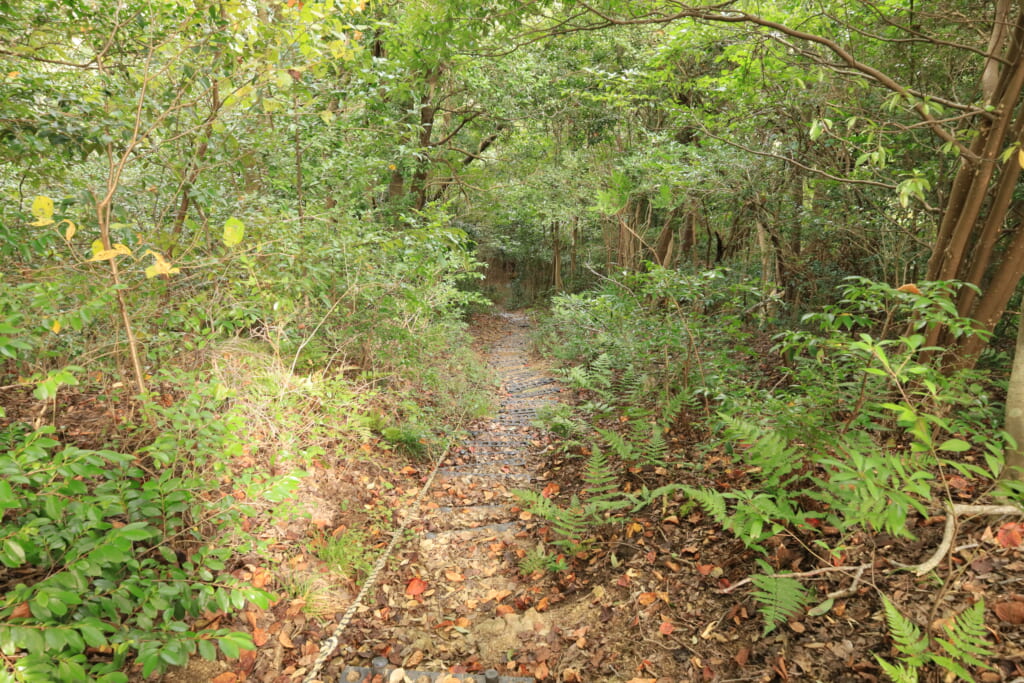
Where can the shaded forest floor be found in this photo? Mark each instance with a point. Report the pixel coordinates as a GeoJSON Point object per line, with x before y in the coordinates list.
{"type": "Point", "coordinates": [656, 596]}
{"type": "Point", "coordinates": [653, 596]}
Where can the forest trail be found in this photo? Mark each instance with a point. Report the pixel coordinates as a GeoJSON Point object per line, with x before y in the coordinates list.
{"type": "Point", "coordinates": [452, 604]}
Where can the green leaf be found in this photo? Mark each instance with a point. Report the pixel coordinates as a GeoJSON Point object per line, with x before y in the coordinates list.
{"type": "Point", "coordinates": [234, 230]}
{"type": "Point", "coordinates": [955, 446]}
{"type": "Point", "coordinates": [13, 550]}
{"type": "Point", "coordinates": [207, 650]}
{"type": "Point", "coordinates": [229, 648]}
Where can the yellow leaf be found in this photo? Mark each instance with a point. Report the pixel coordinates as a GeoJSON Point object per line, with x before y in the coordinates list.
{"type": "Point", "coordinates": [69, 231]}
{"type": "Point", "coordinates": [106, 254]}
{"type": "Point", "coordinates": [234, 230]}
{"type": "Point", "coordinates": [42, 209]}
{"type": "Point", "coordinates": [1020, 157]}
{"type": "Point", "coordinates": [161, 267]}
{"type": "Point", "coordinates": [327, 116]}
{"type": "Point", "coordinates": [55, 327]}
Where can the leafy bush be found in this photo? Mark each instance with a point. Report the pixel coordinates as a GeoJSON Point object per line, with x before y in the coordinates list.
{"type": "Point", "coordinates": [117, 553]}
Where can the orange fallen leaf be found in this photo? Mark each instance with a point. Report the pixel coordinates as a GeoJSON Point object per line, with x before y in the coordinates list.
{"type": "Point", "coordinates": [261, 577]}
{"type": "Point", "coordinates": [409, 469]}
{"type": "Point", "coordinates": [646, 598]}
{"type": "Point", "coordinates": [413, 659]}
{"type": "Point", "coordinates": [666, 628]}
{"type": "Point", "coordinates": [1009, 534]}
{"type": "Point", "coordinates": [415, 587]}
{"type": "Point", "coordinates": [453, 576]}
{"type": "Point", "coordinates": [226, 677]}
{"type": "Point", "coordinates": [551, 489]}
{"type": "Point", "coordinates": [260, 637]}
{"type": "Point", "coordinates": [504, 609]}
{"type": "Point", "coordinates": [540, 672]}
{"type": "Point", "coordinates": [462, 622]}
{"type": "Point", "coordinates": [705, 569]}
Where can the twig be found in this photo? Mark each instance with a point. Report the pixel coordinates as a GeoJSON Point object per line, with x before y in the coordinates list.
{"type": "Point", "coordinates": [955, 510]}
{"type": "Point", "coordinates": [858, 572]}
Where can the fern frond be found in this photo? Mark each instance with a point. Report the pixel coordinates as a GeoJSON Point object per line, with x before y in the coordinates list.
{"type": "Point", "coordinates": [622, 448]}
{"type": "Point", "coordinates": [599, 479]}
{"type": "Point", "coordinates": [764, 449]}
{"type": "Point", "coordinates": [656, 448]}
{"type": "Point", "coordinates": [897, 672]}
{"type": "Point", "coordinates": [967, 637]}
{"type": "Point", "coordinates": [778, 598]}
{"type": "Point", "coordinates": [905, 634]}
{"type": "Point", "coordinates": [712, 501]}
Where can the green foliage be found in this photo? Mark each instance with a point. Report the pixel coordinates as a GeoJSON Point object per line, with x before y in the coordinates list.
{"type": "Point", "coordinates": [346, 553]}
{"type": "Point", "coordinates": [117, 552]}
{"type": "Point", "coordinates": [965, 640]}
{"type": "Point", "coordinates": [779, 598]}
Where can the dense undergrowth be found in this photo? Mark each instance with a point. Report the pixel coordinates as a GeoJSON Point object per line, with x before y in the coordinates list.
{"type": "Point", "coordinates": [841, 429]}
{"type": "Point", "coordinates": [124, 518]}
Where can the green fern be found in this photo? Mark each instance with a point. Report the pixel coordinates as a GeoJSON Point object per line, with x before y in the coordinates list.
{"type": "Point", "coordinates": [763, 449]}
{"type": "Point", "coordinates": [778, 598]}
{"type": "Point", "coordinates": [671, 406]}
{"type": "Point", "coordinates": [712, 501]}
{"type": "Point", "coordinates": [600, 482]}
{"type": "Point", "coordinates": [964, 643]}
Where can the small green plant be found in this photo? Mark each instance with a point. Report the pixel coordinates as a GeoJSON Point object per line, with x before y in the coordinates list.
{"type": "Point", "coordinates": [779, 597]}
{"type": "Point", "coordinates": [964, 640]}
{"type": "Point", "coordinates": [347, 553]}
{"type": "Point", "coordinates": [538, 559]}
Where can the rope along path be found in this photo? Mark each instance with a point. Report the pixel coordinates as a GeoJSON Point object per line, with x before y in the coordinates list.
{"type": "Point", "coordinates": [331, 644]}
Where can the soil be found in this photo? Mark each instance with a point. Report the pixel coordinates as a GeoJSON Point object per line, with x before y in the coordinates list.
{"type": "Point", "coordinates": [657, 596]}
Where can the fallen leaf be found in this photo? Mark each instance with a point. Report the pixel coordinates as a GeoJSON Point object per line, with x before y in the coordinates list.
{"type": "Point", "coordinates": [21, 611]}
{"type": "Point", "coordinates": [550, 490]}
{"type": "Point", "coordinates": [454, 576]}
{"type": "Point", "coordinates": [540, 672]}
{"type": "Point", "coordinates": [797, 627]}
{"type": "Point", "coordinates": [742, 656]}
{"type": "Point", "coordinates": [1009, 534]}
{"type": "Point", "coordinates": [1011, 612]}
{"type": "Point", "coordinates": [646, 598]}
{"type": "Point", "coordinates": [504, 609]}
{"type": "Point", "coordinates": [409, 469]}
{"type": "Point", "coordinates": [415, 587]}
{"type": "Point", "coordinates": [246, 660]}
{"type": "Point", "coordinates": [260, 637]}
{"type": "Point", "coordinates": [226, 677]}
{"type": "Point", "coordinates": [705, 569]}
{"type": "Point", "coordinates": [413, 659]}
{"type": "Point", "coordinates": [285, 640]}
{"type": "Point", "coordinates": [666, 628]}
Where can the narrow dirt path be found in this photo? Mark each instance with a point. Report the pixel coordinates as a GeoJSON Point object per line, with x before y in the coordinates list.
{"type": "Point", "coordinates": [453, 605]}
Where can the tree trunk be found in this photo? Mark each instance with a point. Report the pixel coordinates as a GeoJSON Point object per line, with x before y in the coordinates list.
{"type": "Point", "coordinates": [979, 200]}
{"type": "Point", "coordinates": [1014, 468]}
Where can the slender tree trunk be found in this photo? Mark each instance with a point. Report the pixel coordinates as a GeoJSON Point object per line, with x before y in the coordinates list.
{"type": "Point", "coordinates": [1014, 468]}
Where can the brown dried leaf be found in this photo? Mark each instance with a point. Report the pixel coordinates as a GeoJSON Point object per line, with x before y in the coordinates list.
{"type": "Point", "coordinates": [1012, 612]}
{"type": "Point", "coordinates": [285, 640]}
{"type": "Point", "coordinates": [260, 637]}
